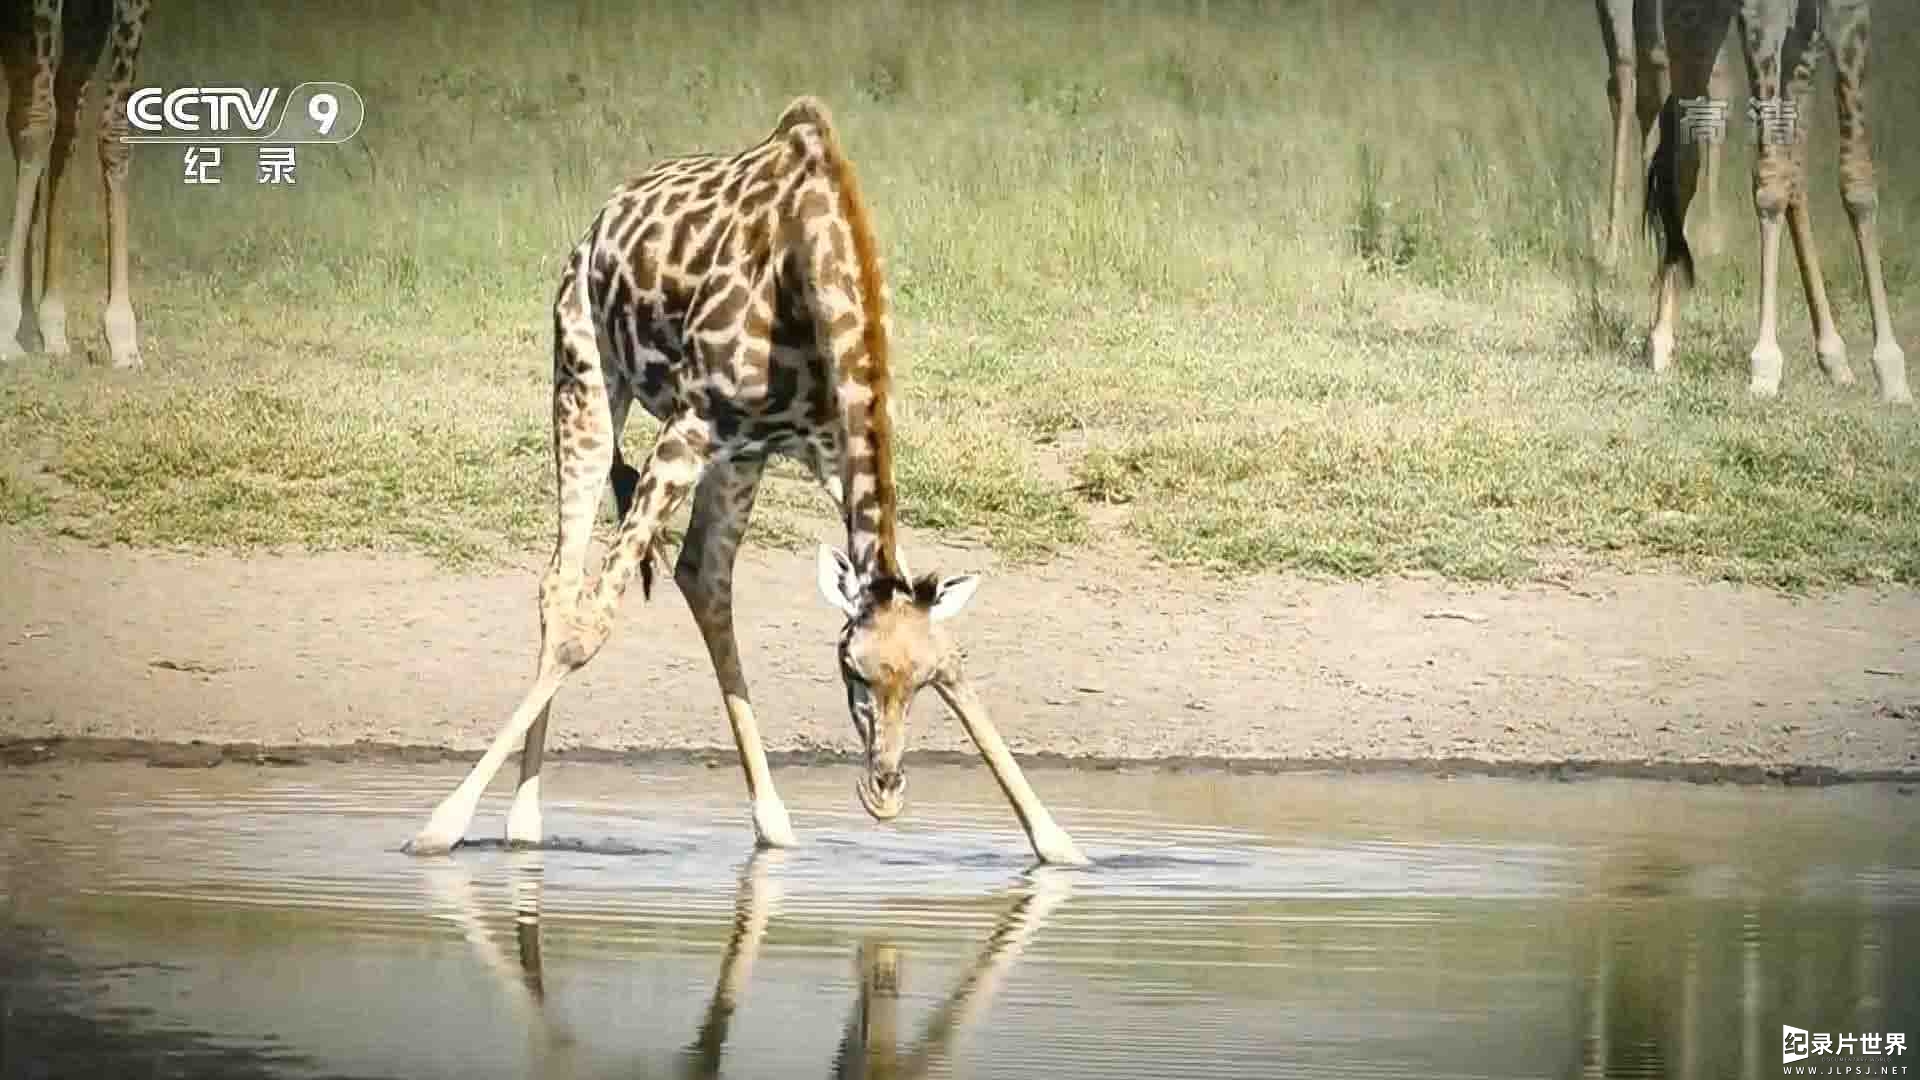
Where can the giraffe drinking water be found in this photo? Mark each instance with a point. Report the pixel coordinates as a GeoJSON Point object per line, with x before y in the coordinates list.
{"type": "Point", "coordinates": [739, 300]}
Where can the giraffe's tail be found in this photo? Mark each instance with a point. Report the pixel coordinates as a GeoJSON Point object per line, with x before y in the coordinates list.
{"type": "Point", "coordinates": [625, 479]}
{"type": "Point", "coordinates": [1664, 215]}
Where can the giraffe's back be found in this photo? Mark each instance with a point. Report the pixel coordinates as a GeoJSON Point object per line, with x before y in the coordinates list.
{"type": "Point", "coordinates": [697, 292]}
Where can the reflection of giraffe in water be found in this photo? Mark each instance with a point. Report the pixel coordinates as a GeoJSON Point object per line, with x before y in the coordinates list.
{"type": "Point", "coordinates": [870, 1050]}
{"type": "Point", "coordinates": [1783, 40]}
{"type": "Point", "coordinates": [49, 49]}
{"type": "Point", "coordinates": [1637, 82]}
{"type": "Point", "coordinates": [869, 1047]}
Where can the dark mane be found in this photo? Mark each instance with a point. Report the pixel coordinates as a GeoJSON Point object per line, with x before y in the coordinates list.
{"type": "Point", "coordinates": [921, 591]}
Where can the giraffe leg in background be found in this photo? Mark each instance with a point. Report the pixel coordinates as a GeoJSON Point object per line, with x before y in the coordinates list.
{"type": "Point", "coordinates": [1848, 23]}
{"type": "Point", "coordinates": [30, 67]}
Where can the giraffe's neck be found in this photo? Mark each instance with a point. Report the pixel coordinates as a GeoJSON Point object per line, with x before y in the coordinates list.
{"type": "Point", "coordinates": [868, 478]}
{"type": "Point", "coordinates": [864, 365]}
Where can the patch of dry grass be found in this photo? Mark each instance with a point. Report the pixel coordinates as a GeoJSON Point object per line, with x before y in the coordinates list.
{"type": "Point", "coordinates": [1292, 315]}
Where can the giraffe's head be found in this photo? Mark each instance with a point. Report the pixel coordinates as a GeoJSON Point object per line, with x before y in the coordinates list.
{"type": "Point", "coordinates": [891, 646]}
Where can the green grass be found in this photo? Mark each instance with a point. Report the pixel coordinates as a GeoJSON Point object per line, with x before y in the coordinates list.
{"type": "Point", "coordinates": [1308, 288]}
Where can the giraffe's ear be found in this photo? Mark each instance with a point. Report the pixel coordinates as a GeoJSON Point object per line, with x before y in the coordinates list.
{"type": "Point", "coordinates": [951, 595]}
{"type": "Point", "coordinates": [839, 582]}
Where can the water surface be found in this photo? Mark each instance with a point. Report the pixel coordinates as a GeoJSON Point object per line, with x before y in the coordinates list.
{"type": "Point", "coordinates": [252, 922]}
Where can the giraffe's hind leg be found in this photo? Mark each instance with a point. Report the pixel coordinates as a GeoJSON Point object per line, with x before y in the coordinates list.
{"type": "Point", "coordinates": [721, 508]}
{"type": "Point", "coordinates": [1617, 32]}
{"type": "Point", "coordinates": [575, 621]}
{"type": "Point", "coordinates": [1850, 36]}
{"type": "Point", "coordinates": [29, 73]}
{"type": "Point", "coordinates": [69, 91]}
{"type": "Point", "coordinates": [523, 818]}
{"type": "Point", "coordinates": [582, 448]}
{"type": "Point", "coordinates": [1674, 174]}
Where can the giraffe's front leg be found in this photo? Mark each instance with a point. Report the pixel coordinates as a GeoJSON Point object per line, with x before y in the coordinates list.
{"type": "Point", "coordinates": [1050, 842]}
{"type": "Point", "coordinates": [122, 329]}
{"type": "Point", "coordinates": [721, 509]}
{"type": "Point", "coordinates": [1782, 61]}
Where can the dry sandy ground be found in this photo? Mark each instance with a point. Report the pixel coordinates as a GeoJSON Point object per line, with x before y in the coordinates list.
{"type": "Point", "coordinates": [1103, 657]}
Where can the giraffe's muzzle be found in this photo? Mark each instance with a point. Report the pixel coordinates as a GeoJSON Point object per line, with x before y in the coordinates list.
{"type": "Point", "coordinates": [883, 793]}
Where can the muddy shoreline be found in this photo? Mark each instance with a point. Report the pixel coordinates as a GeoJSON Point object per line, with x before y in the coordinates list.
{"type": "Point", "coordinates": [26, 753]}
{"type": "Point", "coordinates": [1102, 661]}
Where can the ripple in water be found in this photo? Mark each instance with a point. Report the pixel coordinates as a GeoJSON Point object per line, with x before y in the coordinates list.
{"type": "Point", "coordinates": [263, 923]}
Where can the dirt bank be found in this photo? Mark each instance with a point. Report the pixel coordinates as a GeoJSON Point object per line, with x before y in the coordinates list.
{"type": "Point", "coordinates": [1104, 658]}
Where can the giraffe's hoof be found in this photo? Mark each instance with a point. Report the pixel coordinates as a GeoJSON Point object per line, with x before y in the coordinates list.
{"type": "Point", "coordinates": [424, 844]}
{"type": "Point", "coordinates": [1765, 365]}
{"type": "Point", "coordinates": [1832, 357]}
{"type": "Point", "coordinates": [771, 826]}
{"type": "Point", "coordinates": [433, 840]}
{"type": "Point", "coordinates": [524, 829]}
{"type": "Point", "coordinates": [1659, 353]}
{"type": "Point", "coordinates": [10, 349]}
{"type": "Point", "coordinates": [1890, 367]}
{"type": "Point", "coordinates": [128, 362]}
{"type": "Point", "coordinates": [1055, 848]}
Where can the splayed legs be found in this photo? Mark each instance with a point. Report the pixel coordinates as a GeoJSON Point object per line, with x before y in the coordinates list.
{"type": "Point", "coordinates": [575, 620]}
{"type": "Point", "coordinates": [1050, 842]}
